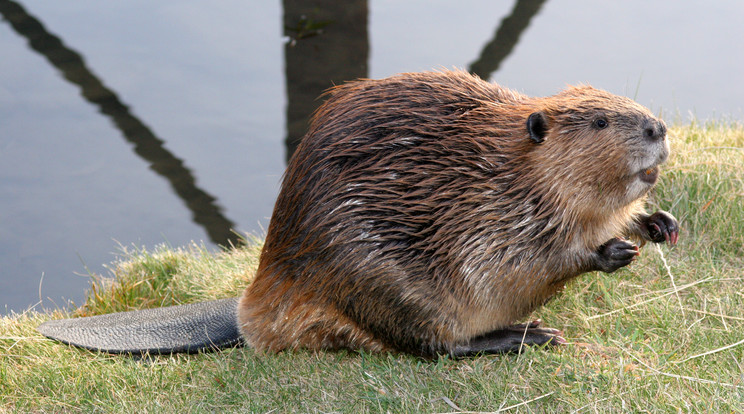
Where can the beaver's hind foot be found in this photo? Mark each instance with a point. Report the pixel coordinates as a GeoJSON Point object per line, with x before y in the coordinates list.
{"type": "Point", "coordinates": [511, 339]}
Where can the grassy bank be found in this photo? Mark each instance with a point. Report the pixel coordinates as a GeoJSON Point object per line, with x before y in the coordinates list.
{"type": "Point", "coordinates": [635, 342]}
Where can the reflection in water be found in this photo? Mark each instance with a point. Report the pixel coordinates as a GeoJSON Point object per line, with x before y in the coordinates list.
{"type": "Point", "coordinates": [328, 45]}
{"type": "Point", "coordinates": [202, 205]}
{"type": "Point", "coordinates": [506, 38]}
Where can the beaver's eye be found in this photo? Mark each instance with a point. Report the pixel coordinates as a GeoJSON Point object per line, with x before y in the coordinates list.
{"type": "Point", "coordinates": [600, 123]}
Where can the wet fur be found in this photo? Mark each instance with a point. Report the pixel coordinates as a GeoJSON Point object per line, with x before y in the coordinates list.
{"type": "Point", "coordinates": [418, 214]}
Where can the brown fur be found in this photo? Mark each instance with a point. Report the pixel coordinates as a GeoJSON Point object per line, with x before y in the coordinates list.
{"type": "Point", "coordinates": [417, 213]}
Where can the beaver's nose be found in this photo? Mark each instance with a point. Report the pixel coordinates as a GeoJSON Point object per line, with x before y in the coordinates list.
{"type": "Point", "coordinates": [654, 129]}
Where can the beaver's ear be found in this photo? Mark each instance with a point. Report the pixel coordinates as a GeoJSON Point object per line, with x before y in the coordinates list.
{"type": "Point", "coordinates": [537, 125]}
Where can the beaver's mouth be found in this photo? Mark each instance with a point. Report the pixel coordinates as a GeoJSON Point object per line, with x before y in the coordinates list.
{"type": "Point", "coordinates": [649, 175]}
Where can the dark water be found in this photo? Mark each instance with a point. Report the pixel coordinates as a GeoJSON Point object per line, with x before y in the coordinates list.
{"type": "Point", "coordinates": [139, 123]}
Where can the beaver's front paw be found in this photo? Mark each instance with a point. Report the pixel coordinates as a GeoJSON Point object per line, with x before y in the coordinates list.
{"type": "Point", "coordinates": [662, 227]}
{"type": "Point", "coordinates": [615, 254]}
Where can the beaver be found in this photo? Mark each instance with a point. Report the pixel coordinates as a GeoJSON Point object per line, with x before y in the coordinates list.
{"type": "Point", "coordinates": [427, 213]}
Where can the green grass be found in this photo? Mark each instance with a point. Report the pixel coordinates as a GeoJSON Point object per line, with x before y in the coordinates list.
{"type": "Point", "coordinates": [635, 345]}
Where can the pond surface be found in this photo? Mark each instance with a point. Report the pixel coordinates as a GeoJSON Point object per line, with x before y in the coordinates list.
{"type": "Point", "coordinates": [136, 123]}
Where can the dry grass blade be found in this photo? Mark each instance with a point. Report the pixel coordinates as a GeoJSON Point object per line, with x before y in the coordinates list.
{"type": "Point", "coordinates": [712, 351]}
{"type": "Point", "coordinates": [676, 376]}
{"type": "Point", "coordinates": [671, 277]}
{"type": "Point", "coordinates": [501, 410]}
{"type": "Point", "coordinates": [653, 299]}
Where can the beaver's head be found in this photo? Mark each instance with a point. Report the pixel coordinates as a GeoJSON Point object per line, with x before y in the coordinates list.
{"type": "Point", "coordinates": [600, 145]}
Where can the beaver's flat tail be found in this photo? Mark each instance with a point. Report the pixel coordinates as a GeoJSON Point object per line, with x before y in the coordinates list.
{"type": "Point", "coordinates": [186, 328]}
